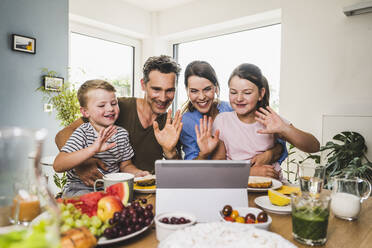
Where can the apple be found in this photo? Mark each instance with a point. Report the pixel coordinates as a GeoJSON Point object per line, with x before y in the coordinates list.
{"type": "Point", "coordinates": [107, 206]}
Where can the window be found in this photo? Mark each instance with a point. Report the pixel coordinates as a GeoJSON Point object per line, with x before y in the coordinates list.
{"type": "Point", "coordinates": [95, 58]}
{"type": "Point", "coordinates": [260, 46]}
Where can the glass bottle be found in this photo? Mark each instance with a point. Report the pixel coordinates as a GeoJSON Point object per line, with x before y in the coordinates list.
{"type": "Point", "coordinates": [28, 210]}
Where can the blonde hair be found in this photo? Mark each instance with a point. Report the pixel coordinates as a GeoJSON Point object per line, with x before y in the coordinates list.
{"type": "Point", "coordinates": [92, 85]}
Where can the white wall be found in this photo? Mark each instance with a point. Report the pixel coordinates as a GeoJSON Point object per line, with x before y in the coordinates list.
{"type": "Point", "coordinates": [326, 62]}
{"type": "Point", "coordinates": [115, 13]}
{"type": "Point", "coordinates": [207, 12]}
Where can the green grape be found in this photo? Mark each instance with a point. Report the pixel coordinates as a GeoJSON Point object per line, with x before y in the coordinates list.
{"type": "Point", "coordinates": [79, 223]}
{"type": "Point", "coordinates": [96, 222]}
{"type": "Point", "coordinates": [64, 228]}
{"type": "Point", "coordinates": [65, 214]}
{"type": "Point", "coordinates": [93, 230]}
{"type": "Point", "coordinates": [62, 206]}
{"type": "Point", "coordinates": [70, 222]}
{"type": "Point", "coordinates": [85, 217]}
{"type": "Point", "coordinates": [77, 214]}
{"type": "Point", "coordinates": [104, 226]}
{"type": "Point", "coordinates": [107, 222]}
{"type": "Point", "coordinates": [70, 206]}
{"type": "Point", "coordinates": [86, 222]}
{"type": "Point", "coordinates": [99, 232]}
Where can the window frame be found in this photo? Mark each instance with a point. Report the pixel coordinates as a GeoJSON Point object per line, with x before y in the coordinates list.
{"type": "Point", "coordinates": [82, 29]}
{"type": "Point", "coordinates": [247, 23]}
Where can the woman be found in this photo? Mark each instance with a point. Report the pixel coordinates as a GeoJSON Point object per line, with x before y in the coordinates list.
{"type": "Point", "coordinates": [203, 91]}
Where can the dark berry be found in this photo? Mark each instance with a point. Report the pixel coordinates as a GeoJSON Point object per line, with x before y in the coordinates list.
{"type": "Point", "coordinates": [262, 217]}
{"type": "Point", "coordinates": [165, 220]}
{"type": "Point", "coordinates": [226, 211]}
{"type": "Point", "coordinates": [149, 207]}
{"type": "Point", "coordinates": [137, 227]}
{"type": "Point", "coordinates": [147, 221]}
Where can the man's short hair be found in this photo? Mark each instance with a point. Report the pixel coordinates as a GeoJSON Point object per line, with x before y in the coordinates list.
{"type": "Point", "coordinates": [92, 85]}
{"type": "Point", "coordinates": [162, 63]}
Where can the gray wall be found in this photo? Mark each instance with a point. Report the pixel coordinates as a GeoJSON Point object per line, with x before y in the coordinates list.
{"type": "Point", "coordinates": [20, 73]}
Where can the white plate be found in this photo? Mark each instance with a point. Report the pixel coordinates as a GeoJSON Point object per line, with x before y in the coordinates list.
{"type": "Point", "coordinates": [264, 202]}
{"type": "Point", "coordinates": [104, 241]}
{"type": "Point", "coordinates": [235, 235]}
{"type": "Point", "coordinates": [145, 191]}
{"type": "Point", "coordinates": [275, 185]}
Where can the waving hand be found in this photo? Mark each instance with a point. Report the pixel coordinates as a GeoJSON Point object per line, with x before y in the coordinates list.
{"type": "Point", "coordinates": [206, 141]}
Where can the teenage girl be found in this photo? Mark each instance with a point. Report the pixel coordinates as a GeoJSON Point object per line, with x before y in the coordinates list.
{"type": "Point", "coordinates": [253, 126]}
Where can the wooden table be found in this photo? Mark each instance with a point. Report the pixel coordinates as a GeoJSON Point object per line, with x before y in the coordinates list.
{"type": "Point", "coordinates": [341, 233]}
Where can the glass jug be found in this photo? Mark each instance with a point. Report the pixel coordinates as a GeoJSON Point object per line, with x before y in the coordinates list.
{"type": "Point", "coordinates": [346, 198]}
{"type": "Point", "coordinates": [26, 205]}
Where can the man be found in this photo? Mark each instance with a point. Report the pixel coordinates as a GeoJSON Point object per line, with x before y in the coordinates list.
{"type": "Point", "coordinates": [153, 133]}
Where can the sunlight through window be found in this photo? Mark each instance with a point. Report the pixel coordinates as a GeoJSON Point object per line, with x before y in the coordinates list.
{"type": "Point", "coordinates": [93, 58]}
{"type": "Point", "coordinates": [260, 46]}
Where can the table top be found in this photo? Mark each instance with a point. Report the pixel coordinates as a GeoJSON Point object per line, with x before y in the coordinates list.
{"type": "Point", "coordinates": [341, 233]}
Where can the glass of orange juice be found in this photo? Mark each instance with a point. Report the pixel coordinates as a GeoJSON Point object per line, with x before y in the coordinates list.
{"type": "Point", "coordinates": [20, 152]}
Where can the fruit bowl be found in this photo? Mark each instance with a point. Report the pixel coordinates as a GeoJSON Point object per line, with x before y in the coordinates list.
{"type": "Point", "coordinates": [164, 229]}
{"type": "Point", "coordinates": [255, 211]}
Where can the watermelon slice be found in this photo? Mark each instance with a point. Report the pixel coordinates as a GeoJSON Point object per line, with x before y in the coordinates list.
{"type": "Point", "coordinates": [120, 190]}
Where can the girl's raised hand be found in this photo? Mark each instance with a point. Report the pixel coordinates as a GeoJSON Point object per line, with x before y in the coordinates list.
{"type": "Point", "coordinates": [206, 141]}
{"type": "Point", "coordinates": [271, 120]}
{"type": "Point", "coordinates": [100, 144]}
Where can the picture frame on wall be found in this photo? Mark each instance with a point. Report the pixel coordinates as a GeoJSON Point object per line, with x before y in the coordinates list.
{"type": "Point", "coordinates": [53, 83]}
{"type": "Point", "coordinates": [23, 44]}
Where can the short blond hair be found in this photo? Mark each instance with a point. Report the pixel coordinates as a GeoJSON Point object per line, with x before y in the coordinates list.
{"type": "Point", "coordinates": [92, 85]}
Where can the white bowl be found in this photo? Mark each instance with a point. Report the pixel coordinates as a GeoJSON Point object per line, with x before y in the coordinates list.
{"type": "Point", "coordinates": [163, 230]}
{"type": "Point", "coordinates": [244, 211]}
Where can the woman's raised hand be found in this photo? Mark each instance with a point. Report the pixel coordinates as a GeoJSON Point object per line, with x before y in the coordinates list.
{"type": "Point", "coordinates": [101, 144]}
{"type": "Point", "coordinates": [169, 135]}
{"type": "Point", "coordinates": [206, 141]}
{"type": "Point", "coordinates": [271, 120]}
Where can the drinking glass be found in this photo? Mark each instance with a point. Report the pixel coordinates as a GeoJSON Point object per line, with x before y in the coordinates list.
{"type": "Point", "coordinates": [17, 173]}
{"type": "Point", "coordinates": [311, 178]}
{"type": "Point", "coordinates": [310, 218]}
{"type": "Point", "coordinates": [346, 198]}
{"type": "Point", "coordinates": [24, 197]}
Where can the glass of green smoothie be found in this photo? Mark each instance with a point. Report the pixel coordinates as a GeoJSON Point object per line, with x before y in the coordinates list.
{"type": "Point", "coordinates": [310, 218]}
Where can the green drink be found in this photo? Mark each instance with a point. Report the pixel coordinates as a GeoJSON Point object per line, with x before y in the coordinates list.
{"type": "Point", "coordinates": [310, 219]}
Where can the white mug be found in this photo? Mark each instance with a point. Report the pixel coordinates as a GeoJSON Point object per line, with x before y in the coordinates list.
{"type": "Point", "coordinates": [114, 178]}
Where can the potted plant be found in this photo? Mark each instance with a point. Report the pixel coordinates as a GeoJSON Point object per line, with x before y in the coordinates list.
{"type": "Point", "coordinates": [347, 156]}
{"type": "Point", "coordinates": [67, 108]}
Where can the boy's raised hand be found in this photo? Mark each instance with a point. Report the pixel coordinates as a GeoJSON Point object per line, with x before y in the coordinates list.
{"type": "Point", "coordinates": [206, 141]}
{"type": "Point", "coordinates": [101, 144]}
{"type": "Point", "coordinates": [271, 120]}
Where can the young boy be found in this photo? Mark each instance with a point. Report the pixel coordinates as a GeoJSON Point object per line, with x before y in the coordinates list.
{"type": "Point", "coordinates": [98, 138]}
